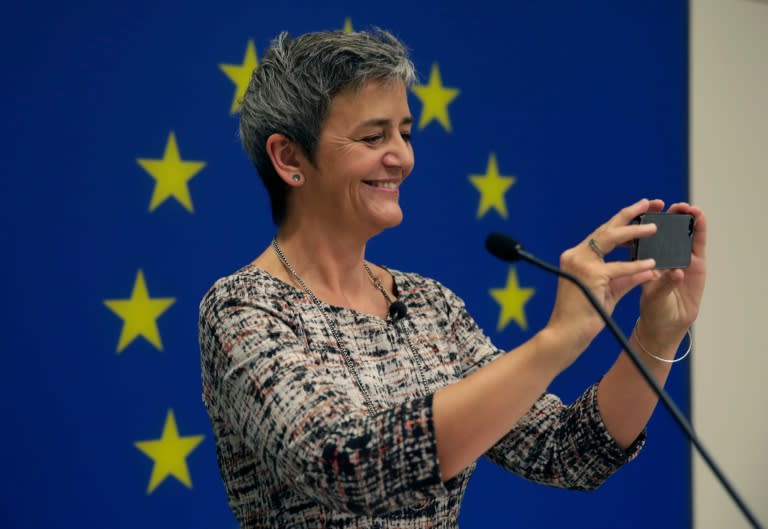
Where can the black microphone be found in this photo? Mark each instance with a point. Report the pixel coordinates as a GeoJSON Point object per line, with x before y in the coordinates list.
{"type": "Point", "coordinates": [398, 311]}
{"type": "Point", "coordinates": [508, 249]}
{"type": "Point", "coordinates": [504, 247]}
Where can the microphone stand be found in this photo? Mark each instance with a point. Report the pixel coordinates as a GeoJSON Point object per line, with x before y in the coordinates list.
{"type": "Point", "coordinates": [663, 396]}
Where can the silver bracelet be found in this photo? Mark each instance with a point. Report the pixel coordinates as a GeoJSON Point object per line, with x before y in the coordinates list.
{"type": "Point", "coordinates": [660, 359]}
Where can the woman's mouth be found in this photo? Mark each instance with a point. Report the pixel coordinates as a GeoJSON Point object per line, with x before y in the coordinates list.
{"type": "Point", "coordinates": [383, 184]}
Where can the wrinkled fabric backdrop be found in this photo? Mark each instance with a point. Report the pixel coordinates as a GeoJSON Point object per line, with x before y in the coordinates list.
{"type": "Point", "coordinates": [126, 194]}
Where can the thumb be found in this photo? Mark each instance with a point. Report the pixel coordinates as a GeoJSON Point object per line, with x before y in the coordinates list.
{"type": "Point", "coordinates": [664, 282]}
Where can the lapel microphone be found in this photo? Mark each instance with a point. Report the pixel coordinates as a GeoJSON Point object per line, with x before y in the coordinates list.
{"type": "Point", "coordinates": [397, 311]}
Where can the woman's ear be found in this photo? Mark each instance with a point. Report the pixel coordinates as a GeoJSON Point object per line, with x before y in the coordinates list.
{"type": "Point", "coordinates": [286, 159]}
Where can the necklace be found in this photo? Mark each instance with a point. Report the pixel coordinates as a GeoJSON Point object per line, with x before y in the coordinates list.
{"type": "Point", "coordinates": [329, 321]}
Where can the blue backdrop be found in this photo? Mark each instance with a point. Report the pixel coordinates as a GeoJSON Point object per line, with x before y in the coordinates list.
{"type": "Point", "coordinates": [125, 194]}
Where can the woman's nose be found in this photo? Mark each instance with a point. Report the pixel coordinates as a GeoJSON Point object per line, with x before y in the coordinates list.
{"type": "Point", "coordinates": [399, 154]}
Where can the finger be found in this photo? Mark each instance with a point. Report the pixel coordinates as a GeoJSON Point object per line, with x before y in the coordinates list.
{"type": "Point", "coordinates": [609, 238]}
{"type": "Point", "coordinates": [679, 207]}
{"type": "Point", "coordinates": [627, 214]}
{"type": "Point", "coordinates": [619, 269]}
{"type": "Point", "coordinates": [621, 285]}
{"type": "Point", "coordinates": [664, 282]}
{"type": "Point", "coordinates": [700, 235]}
{"type": "Point", "coordinates": [624, 234]}
{"type": "Point", "coordinates": [699, 243]}
{"type": "Point", "coordinates": [656, 205]}
{"type": "Point", "coordinates": [669, 276]}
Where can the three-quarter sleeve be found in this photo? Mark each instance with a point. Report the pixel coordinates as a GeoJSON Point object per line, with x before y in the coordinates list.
{"type": "Point", "coordinates": [563, 446]}
{"type": "Point", "coordinates": [475, 349]}
{"type": "Point", "coordinates": [558, 445]}
{"type": "Point", "coordinates": [301, 422]}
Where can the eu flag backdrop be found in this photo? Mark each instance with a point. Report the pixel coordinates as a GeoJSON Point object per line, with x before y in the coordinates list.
{"type": "Point", "coordinates": [126, 194]}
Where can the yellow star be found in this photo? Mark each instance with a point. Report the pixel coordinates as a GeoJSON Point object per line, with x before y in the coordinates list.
{"type": "Point", "coordinates": [171, 175]}
{"type": "Point", "coordinates": [512, 299]}
{"type": "Point", "coordinates": [240, 74]}
{"type": "Point", "coordinates": [139, 314]}
{"type": "Point", "coordinates": [348, 25]}
{"type": "Point", "coordinates": [492, 187]}
{"type": "Point", "coordinates": [435, 99]}
{"type": "Point", "coordinates": [169, 454]}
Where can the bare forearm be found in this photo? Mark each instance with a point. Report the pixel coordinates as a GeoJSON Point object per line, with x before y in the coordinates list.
{"type": "Point", "coordinates": [625, 399]}
{"type": "Point", "coordinates": [473, 414]}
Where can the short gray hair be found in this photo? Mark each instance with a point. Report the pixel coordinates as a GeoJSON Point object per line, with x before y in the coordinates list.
{"type": "Point", "coordinates": [291, 91]}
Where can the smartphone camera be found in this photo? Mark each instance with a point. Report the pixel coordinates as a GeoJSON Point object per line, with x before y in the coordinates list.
{"type": "Point", "coordinates": [670, 246]}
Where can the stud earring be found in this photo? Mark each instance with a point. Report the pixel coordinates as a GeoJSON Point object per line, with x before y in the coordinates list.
{"type": "Point", "coordinates": [296, 177]}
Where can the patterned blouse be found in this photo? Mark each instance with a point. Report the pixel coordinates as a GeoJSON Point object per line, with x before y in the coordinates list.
{"type": "Point", "coordinates": [296, 444]}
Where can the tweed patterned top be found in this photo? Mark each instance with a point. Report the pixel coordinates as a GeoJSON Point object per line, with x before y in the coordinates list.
{"type": "Point", "coordinates": [296, 445]}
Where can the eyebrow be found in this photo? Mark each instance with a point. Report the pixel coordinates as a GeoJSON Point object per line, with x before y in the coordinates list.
{"type": "Point", "coordinates": [381, 122]}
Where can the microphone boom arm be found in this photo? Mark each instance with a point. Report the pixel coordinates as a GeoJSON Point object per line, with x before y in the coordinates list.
{"type": "Point", "coordinates": [660, 392]}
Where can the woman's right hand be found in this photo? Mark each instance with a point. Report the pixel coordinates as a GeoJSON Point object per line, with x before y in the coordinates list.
{"type": "Point", "coordinates": [471, 415]}
{"type": "Point", "coordinates": [574, 323]}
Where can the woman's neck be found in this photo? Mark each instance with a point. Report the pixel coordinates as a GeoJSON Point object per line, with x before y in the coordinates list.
{"type": "Point", "coordinates": [331, 263]}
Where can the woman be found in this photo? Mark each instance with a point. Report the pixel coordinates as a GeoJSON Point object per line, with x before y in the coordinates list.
{"type": "Point", "coordinates": [330, 408]}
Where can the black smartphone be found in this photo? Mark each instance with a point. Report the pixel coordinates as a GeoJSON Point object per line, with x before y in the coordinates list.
{"type": "Point", "coordinates": [670, 245]}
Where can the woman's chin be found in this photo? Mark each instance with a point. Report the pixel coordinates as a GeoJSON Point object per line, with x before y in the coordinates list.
{"type": "Point", "coordinates": [389, 219]}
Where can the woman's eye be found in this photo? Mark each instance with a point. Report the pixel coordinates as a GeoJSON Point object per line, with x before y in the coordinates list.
{"type": "Point", "coordinates": [406, 136]}
{"type": "Point", "coordinates": [376, 138]}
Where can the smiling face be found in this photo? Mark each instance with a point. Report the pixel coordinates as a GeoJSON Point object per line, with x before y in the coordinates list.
{"type": "Point", "coordinates": [363, 155]}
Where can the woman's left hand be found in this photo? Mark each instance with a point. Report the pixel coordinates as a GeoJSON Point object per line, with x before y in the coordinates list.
{"type": "Point", "coordinates": [670, 301]}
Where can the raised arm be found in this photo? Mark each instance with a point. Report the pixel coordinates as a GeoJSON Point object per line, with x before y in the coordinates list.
{"type": "Point", "coordinates": [474, 414]}
{"type": "Point", "coordinates": [668, 306]}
